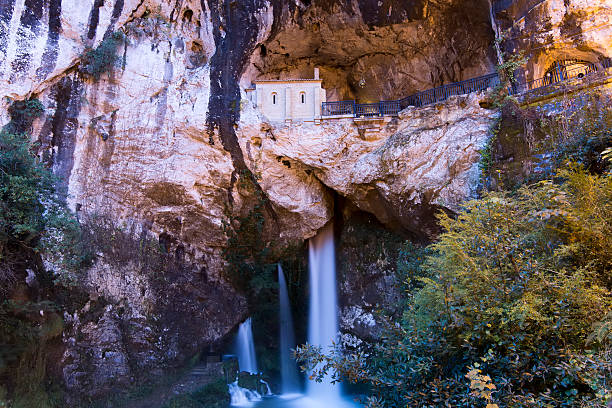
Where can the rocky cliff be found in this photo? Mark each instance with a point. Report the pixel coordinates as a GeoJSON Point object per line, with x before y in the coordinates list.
{"type": "Point", "coordinates": [555, 30]}
{"type": "Point", "coordinates": [159, 142]}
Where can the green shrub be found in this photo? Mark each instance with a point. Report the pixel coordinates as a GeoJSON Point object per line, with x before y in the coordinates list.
{"type": "Point", "coordinates": [102, 59]}
{"type": "Point", "coordinates": [580, 132]}
{"type": "Point", "coordinates": [32, 217]}
{"type": "Point", "coordinates": [516, 291]}
{"type": "Point", "coordinates": [33, 223]}
{"type": "Point", "coordinates": [22, 114]}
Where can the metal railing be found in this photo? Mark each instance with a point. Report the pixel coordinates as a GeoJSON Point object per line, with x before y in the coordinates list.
{"type": "Point", "coordinates": [560, 74]}
{"type": "Point", "coordinates": [338, 108]}
{"type": "Point", "coordinates": [431, 96]}
{"type": "Point", "coordinates": [367, 110]}
{"type": "Point", "coordinates": [428, 97]}
{"type": "Point", "coordinates": [444, 92]}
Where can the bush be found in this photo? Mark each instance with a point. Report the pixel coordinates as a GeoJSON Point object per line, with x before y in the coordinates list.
{"type": "Point", "coordinates": [579, 132]}
{"type": "Point", "coordinates": [33, 222]}
{"type": "Point", "coordinates": [515, 295]}
{"type": "Point", "coordinates": [32, 217]}
{"type": "Point", "coordinates": [102, 59]}
{"type": "Point", "coordinates": [23, 114]}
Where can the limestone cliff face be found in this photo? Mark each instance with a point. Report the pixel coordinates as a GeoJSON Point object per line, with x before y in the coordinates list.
{"type": "Point", "coordinates": [159, 142]}
{"type": "Point", "coordinates": [555, 30]}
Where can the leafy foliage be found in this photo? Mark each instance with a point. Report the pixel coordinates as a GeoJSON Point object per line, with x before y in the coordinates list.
{"type": "Point", "coordinates": [512, 63]}
{"type": "Point", "coordinates": [507, 74]}
{"type": "Point", "coordinates": [33, 222]}
{"type": "Point", "coordinates": [515, 295]}
{"type": "Point", "coordinates": [580, 131]}
{"type": "Point", "coordinates": [486, 153]}
{"type": "Point", "coordinates": [102, 59]}
{"type": "Point", "coordinates": [32, 218]}
{"type": "Point", "coordinates": [23, 113]}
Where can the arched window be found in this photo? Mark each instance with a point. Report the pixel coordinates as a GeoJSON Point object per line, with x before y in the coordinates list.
{"type": "Point", "coordinates": [303, 97]}
{"type": "Point", "coordinates": [274, 98]}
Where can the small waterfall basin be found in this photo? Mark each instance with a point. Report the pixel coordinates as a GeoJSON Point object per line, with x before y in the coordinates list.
{"type": "Point", "coordinates": [301, 401]}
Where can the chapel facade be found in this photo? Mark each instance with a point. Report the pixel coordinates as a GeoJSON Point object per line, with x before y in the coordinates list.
{"type": "Point", "coordinates": [287, 100]}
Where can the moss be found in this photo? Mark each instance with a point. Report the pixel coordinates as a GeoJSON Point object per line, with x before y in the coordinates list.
{"type": "Point", "coordinates": [507, 157]}
{"type": "Point", "coordinates": [486, 159]}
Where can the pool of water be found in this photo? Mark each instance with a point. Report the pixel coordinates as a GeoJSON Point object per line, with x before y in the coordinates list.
{"type": "Point", "coordinates": [299, 401]}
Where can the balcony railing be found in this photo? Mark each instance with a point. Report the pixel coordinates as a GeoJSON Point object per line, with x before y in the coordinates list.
{"type": "Point", "coordinates": [431, 96]}
{"type": "Point", "coordinates": [428, 97]}
{"type": "Point", "coordinates": [560, 74]}
{"type": "Point", "coordinates": [338, 108]}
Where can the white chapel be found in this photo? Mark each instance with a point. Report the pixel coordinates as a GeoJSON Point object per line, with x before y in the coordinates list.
{"type": "Point", "coordinates": [289, 99]}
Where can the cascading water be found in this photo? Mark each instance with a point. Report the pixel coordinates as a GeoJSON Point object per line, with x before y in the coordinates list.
{"type": "Point", "coordinates": [247, 361]}
{"type": "Point", "coordinates": [322, 332]}
{"type": "Point", "coordinates": [323, 317]}
{"type": "Point", "coordinates": [245, 348]}
{"type": "Point", "coordinates": [242, 397]}
{"type": "Point", "coordinates": [289, 378]}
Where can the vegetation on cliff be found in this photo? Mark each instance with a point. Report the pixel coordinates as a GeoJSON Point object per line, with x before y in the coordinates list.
{"type": "Point", "coordinates": [34, 224]}
{"type": "Point", "coordinates": [97, 61]}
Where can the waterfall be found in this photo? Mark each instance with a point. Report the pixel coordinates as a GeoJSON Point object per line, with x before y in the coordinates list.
{"type": "Point", "coordinates": [289, 377]}
{"type": "Point", "coordinates": [242, 397]}
{"type": "Point", "coordinates": [323, 317]}
{"type": "Point", "coordinates": [246, 348]}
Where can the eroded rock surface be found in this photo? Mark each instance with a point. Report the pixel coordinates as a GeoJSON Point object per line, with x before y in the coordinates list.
{"type": "Point", "coordinates": [401, 169]}
{"type": "Point", "coordinates": [548, 31]}
{"type": "Point", "coordinates": [371, 50]}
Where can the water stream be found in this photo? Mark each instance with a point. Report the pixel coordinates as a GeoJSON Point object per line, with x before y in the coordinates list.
{"type": "Point", "coordinates": [323, 317]}
{"type": "Point", "coordinates": [322, 331]}
{"type": "Point", "coordinates": [245, 348]}
{"type": "Point", "coordinates": [290, 383]}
